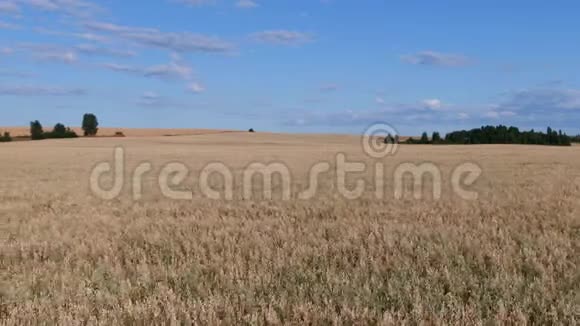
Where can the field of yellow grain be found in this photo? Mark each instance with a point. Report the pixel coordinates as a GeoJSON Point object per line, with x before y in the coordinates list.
{"type": "Point", "coordinates": [69, 257]}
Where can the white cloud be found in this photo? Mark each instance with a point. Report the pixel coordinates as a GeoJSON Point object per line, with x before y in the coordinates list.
{"type": "Point", "coordinates": [151, 37]}
{"type": "Point", "coordinates": [498, 114]}
{"type": "Point", "coordinates": [284, 37]}
{"type": "Point", "coordinates": [91, 37]}
{"type": "Point", "coordinates": [174, 70]}
{"type": "Point", "coordinates": [28, 90]}
{"type": "Point", "coordinates": [508, 113]}
{"type": "Point", "coordinates": [121, 68]}
{"type": "Point", "coordinates": [432, 58]}
{"type": "Point", "coordinates": [432, 104]}
{"type": "Point", "coordinates": [543, 99]}
{"type": "Point", "coordinates": [67, 57]}
{"type": "Point", "coordinates": [85, 36]}
{"type": "Point", "coordinates": [15, 74]}
{"type": "Point", "coordinates": [49, 52]}
{"type": "Point", "coordinates": [79, 8]}
{"type": "Point", "coordinates": [9, 7]}
{"type": "Point", "coordinates": [155, 100]}
{"type": "Point", "coordinates": [171, 70]}
{"type": "Point", "coordinates": [151, 99]}
{"type": "Point", "coordinates": [5, 25]}
{"type": "Point", "coordinates": [379, 100]}
{"type": "Point", "coordinates": [150, 95]}
{"type": "Point", "coordinates": [246, 4]}
{"type": "Point", "coordinates": [197, 3]}
{"type": "Point", "coordinates": [329, 88]}
{"type": "Point", "coordinates": [196, 88]}
{"type": "Point", "coordinates": [90, 49]}
{"type": "Point", "coordinates": [491, 114]}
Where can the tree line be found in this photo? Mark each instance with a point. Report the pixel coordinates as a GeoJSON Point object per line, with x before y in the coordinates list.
{"type": "Point", "coordinates": [495, 135]}
{"type": "Point", "coordinates": [89, 126]}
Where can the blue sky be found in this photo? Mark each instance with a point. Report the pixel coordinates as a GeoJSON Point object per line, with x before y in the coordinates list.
{"type": "Point", "coordinates": [291, 66]}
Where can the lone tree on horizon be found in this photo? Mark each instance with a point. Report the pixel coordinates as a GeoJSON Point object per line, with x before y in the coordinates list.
{"type": "Point", "coordinates": [424, 139]}
{"type": "Point", "coordinates": [36, 131]}
{"type": "Point", "coordinates": [90, 124]}
{"type": "Point", "coordinates": [436, 138]}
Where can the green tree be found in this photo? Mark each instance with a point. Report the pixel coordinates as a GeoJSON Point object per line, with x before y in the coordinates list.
{"type": "Point", "coordinates": [90, 124]}
{"type": "Point", "coordinates": [424, 139]}
{"type": "Point", "coordinates": [436, 138]}
{"type": "Point", "coordinates": [390, 139]}
{"type": "Point", "coordinates": [36, 131]}
{"type": "Point", "coordinates": [563, 139]}
{"type": "Point", "coordinates": [5, 138]}
{"type": "Point", "coordinates": [60, 131]}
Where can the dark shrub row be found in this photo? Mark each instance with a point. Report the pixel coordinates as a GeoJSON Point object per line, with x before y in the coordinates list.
{"type": "Point", "coordinates": [496, 135]}
{"type": "Point", "coordinates": [90, 128]}
{"type": "Point", "coordinates": [59, 131]}
{"type": "Point", "coordinates": [4, 138]}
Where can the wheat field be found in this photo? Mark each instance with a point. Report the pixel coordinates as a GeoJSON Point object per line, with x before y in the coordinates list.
{"type": "Point", "coordinates": [68, 257]}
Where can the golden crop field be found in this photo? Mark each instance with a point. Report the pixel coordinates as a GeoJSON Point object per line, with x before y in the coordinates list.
{"type": "Point", "coordinates": [69, 257]}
